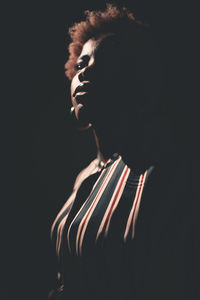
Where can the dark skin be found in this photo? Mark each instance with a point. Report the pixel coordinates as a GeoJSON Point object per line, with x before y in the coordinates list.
{"type": "Point", "coordinates": [105, 96]}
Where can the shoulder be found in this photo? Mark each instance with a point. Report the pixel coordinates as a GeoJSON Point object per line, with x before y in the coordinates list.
{"type": "Point", "coordinates": [64, 211]}
{"type": "Point", "coordinates": [92, 168]}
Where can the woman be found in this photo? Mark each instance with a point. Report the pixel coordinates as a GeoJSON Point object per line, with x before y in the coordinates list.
{"type": "Point", "coordinates": [115, 90]}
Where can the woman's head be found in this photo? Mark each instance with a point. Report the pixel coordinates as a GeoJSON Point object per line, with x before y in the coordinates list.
{"type": "Point", "coordinates": [96, 23]}
{"type": "Point", "coordinates": [100, 85]}
{"type": "Point", "coordinates": [110, 59]}
{"type": "Point", "coordinates": [113, 65]}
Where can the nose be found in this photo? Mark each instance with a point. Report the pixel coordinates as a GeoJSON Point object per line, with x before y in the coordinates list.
{"type": "Point", "coordinates": [87, 73]}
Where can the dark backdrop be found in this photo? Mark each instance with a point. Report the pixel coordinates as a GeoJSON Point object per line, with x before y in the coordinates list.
{"type": "Point", "coordinates": [42, 152]}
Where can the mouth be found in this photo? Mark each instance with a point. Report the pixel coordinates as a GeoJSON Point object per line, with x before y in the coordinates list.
{"type": "Point", "coordinates": [82, 89]}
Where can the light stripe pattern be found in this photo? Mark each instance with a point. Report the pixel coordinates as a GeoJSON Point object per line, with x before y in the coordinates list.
{"type": "Point", "coordinates": [135, 207]}
{"type": "Point", "coordinates": [111, 207]}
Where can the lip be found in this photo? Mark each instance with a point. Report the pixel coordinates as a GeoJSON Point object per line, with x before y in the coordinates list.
{"type": "Point", "coordinates": [81, 98]}
{"type": "Point", "coordinates": [82, 89]}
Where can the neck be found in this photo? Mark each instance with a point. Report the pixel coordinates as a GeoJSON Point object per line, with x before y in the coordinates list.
{"type": "Point", "coordinates": [138, 153]}
{"type": "Point", "coordinates": [100, 153]}
{"type": "Point", "coordinates": [132, 155]}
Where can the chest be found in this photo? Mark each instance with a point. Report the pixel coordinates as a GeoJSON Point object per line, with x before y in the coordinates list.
{"type": "Point", "coordinates": [105, 210]}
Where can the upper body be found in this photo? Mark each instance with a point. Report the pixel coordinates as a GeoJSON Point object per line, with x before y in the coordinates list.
{"type": "Point", "coordinates": [128, 236]}
{"type": "Point", "coordinates": [123, 234]}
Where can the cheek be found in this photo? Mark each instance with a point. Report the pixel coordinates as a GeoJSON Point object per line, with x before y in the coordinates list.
{"type": "Point", "coordinates": [74, 83]}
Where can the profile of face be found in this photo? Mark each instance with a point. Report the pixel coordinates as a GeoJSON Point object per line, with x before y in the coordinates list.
{"type": "Point", "coordinates": [115, 89]}
{"type": "Point", "coordinates": [112, 90]}
{"type": "Point", "coordinates": [102, 84]}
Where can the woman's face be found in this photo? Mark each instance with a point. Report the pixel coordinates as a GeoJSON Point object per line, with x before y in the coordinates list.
{"type": "Point", "coordinates": [99, 82]}
{"type": "Point", "coordinates": [114, 89]}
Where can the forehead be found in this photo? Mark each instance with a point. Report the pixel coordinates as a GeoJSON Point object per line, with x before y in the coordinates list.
{"type": "Point", "coordinates": [93, 44]}
{"type": "Point", "coordinates": [89, 47]}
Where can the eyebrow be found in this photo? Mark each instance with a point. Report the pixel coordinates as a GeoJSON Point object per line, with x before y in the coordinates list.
{"type": "Point", "coordinates": [84, 57]}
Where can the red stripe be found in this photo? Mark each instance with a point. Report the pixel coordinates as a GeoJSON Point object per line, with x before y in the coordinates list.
{"type": "Point", "coordinates": [106, 221]}
{"type": "Point", "coordinates": [95, 200]}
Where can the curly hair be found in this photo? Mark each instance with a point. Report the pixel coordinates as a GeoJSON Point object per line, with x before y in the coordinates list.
{"type": "Point", "coordinates": [112, 20]}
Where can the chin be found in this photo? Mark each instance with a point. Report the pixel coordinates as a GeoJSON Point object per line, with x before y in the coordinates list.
{"type": "Point", "coordinates": [82, 117]}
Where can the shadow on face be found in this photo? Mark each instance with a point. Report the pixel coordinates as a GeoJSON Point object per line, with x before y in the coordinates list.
{"type": "Point", "coordinates": [115, 81]}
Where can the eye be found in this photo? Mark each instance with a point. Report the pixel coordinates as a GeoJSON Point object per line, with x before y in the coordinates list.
{"type": "Point", "coordinates": [82, 62]}
{"type": "Point", "coordinates": [79, 66]}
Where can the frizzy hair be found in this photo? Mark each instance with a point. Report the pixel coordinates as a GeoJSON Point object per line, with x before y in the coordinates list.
{"type": "Point", "coordinates": [113, 20]}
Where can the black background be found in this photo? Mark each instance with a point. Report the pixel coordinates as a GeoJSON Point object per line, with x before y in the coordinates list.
{"type": "Point", "coordinates": [42, 153]}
